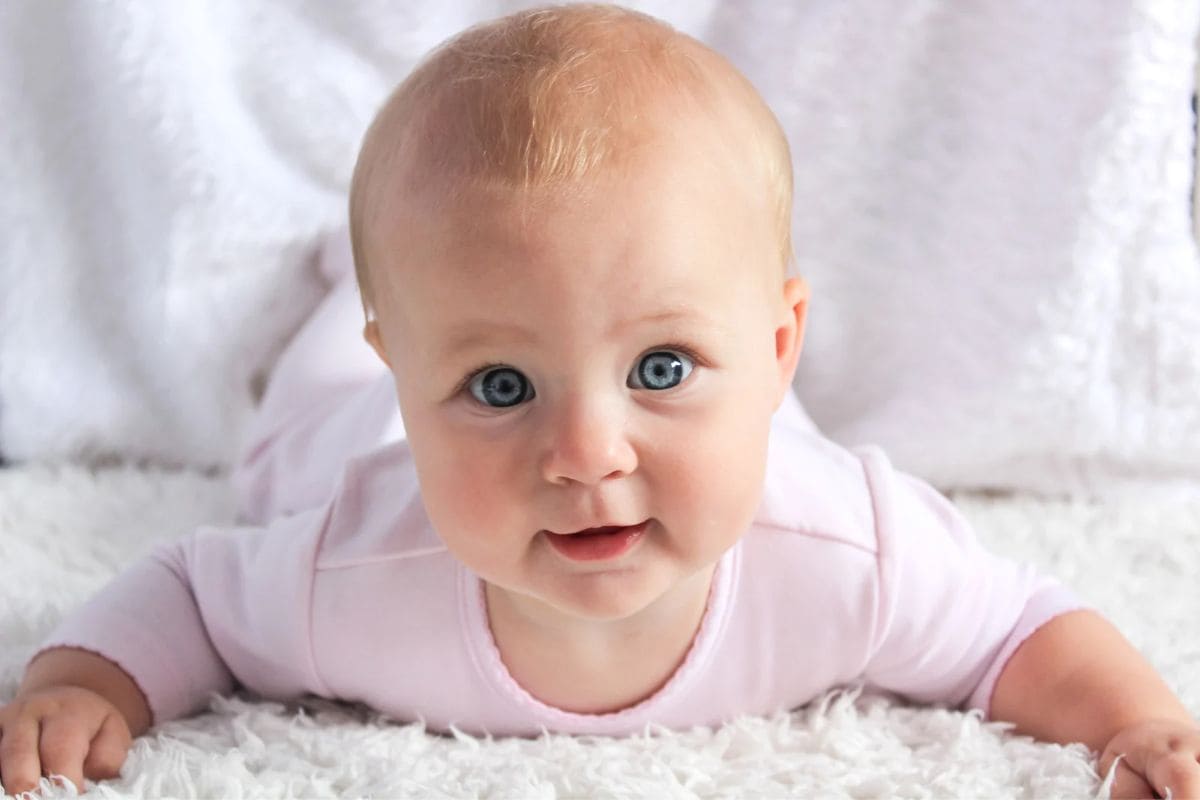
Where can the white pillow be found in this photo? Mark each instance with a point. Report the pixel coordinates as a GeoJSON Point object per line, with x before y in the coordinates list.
{"type": "Point", "coordinates": [992, 208]}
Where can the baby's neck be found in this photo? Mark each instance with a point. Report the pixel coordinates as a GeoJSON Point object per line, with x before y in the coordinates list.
{"type": "Point", "coordinates": [599, 667]}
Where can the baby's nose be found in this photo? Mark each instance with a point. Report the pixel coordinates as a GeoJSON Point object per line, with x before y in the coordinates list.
{"type": "Point", "coordinates": [587, 442]}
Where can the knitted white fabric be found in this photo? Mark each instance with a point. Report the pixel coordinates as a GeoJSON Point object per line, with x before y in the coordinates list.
{"type": "Point", "coordinates": [992, 206]}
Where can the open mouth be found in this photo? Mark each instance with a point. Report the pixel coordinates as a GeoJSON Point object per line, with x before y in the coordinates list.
{"type": "Point", "coordinates": [597, 544]}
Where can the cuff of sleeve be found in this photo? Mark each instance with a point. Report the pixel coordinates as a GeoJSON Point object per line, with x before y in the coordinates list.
{"type": "Point", "coordinates": [1050, 601]}
{"type": "Point", "coordinates": [173, 676]}
{"type": "Point", "coordinates": [168, 690]}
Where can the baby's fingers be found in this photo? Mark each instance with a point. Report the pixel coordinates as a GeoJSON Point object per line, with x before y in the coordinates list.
{"type": "Point", "coordinates": [1129, 785]}
{"type": "Point", "coordinates": [109, 748]}
{"type": "Point", "coordinates": [1179, 772]}
{"type": "Point", "coordinates": [20, 766]}
{"type": "Point", "coordinates": [63, 747]}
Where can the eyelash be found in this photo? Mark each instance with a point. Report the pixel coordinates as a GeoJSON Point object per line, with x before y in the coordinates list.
{"type": "Point", "coordinates": [671, 346]}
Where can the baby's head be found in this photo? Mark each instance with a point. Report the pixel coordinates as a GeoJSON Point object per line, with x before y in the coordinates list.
{"type": "Point", "coordinates": [571, 233]}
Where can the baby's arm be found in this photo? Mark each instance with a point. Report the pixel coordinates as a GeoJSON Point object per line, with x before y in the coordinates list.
{"type": "Point", "coordinates": [76, 705]}
{"type": "Point", "coordinates": [1076, 679]}
{"type": "Point", "coordinates": [74, 715]}
{"type": "Point", "coordinates": [184, 623]}
{"type": "Point", "coordinates": [958, 625]}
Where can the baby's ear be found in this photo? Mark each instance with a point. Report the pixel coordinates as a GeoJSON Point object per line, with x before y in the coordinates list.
{"type": "Point", "coordinates": [789, 335]}
{"type": "Point", "coordinates": [373, 337]}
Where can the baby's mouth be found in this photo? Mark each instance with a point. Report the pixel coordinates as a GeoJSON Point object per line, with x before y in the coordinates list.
{"type": "Point", "coordinates": [597, 544]}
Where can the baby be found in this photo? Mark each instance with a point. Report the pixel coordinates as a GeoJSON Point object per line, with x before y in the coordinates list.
{"type": "Point", "coordinates": [571, 237]}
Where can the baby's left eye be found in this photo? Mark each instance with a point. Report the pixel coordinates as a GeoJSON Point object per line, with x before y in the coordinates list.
{"type": "Point", "coordinates": [662, 369]}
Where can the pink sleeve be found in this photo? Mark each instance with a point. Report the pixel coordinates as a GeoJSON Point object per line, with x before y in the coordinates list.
{"type": "Point", "coordinates": [220, 608]}
{"type": "Point", "coordinates": [329, 394]}
{"type": "Point", "coordinates": [950, 613]}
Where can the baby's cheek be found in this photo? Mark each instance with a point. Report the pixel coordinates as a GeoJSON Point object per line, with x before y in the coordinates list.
{"type": "Point", "coordinates": [742, 449]}
{"type": "Point", "coordinates": [475, 503]}
{"type": "Point", "coordinates": [714, 479]}
{"type": "Point", "coordinates": [726, 473]}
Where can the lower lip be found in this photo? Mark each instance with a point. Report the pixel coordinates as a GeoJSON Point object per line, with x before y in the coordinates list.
{"type": "Point", "coordinates": [600, 546]}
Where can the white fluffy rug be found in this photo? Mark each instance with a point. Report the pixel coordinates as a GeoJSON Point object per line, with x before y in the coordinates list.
{"type": "Point", "coordinates": [65, 530]}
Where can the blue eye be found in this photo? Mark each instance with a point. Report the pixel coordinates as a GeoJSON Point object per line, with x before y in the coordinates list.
{"type": "Point", "coordinates": [662, 369]}
{"type": "Point", "coordinates": [502, 387]}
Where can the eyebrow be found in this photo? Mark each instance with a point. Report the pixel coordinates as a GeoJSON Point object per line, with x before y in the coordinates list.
{"type": "Point", "coordinates": [474, 334]}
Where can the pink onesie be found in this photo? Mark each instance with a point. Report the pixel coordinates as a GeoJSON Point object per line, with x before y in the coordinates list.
{"type": "Point", "coordinates": [851, 573]}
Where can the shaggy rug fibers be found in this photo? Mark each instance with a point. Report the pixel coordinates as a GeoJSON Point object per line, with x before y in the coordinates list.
{"type": "Point", "coordinates": [65, 530]}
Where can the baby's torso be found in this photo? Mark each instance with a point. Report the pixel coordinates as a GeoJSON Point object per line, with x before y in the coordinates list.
{"type": "Point", "coordinates": [398, 623]}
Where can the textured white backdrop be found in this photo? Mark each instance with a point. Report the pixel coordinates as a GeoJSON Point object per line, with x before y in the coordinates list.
{"type": "Point", "coordinates": [991, 206]}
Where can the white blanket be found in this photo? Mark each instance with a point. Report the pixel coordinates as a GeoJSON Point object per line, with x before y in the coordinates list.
{"type": "Point", "coordinates": [65, 531]}
{"type": "Point", "coordinates": [991, 206]}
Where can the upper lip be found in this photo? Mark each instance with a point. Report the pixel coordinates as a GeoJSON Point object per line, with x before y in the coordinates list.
{"type": "Point", "coordinates": [589, 528]}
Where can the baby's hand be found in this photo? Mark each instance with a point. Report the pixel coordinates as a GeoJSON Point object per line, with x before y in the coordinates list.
{"type": "Point", "coordinates": [60, 730]}
{"type": "Point", "coordinates": [1156, 756]}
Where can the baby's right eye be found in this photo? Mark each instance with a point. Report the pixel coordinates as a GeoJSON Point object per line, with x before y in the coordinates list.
{"type": "Point", "coordinates": [501, 387]}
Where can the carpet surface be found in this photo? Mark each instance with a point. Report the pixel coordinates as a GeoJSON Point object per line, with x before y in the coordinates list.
{"type": "Point", "coordinates": [65, 530]}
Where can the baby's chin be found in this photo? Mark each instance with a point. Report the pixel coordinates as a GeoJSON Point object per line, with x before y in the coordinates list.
{"type": "Point", "coordinates": [647, 591]}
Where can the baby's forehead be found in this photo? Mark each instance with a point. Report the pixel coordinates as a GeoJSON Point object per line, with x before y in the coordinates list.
{"type": "Point", "coordinates": [613, 263]}
{"type": "Point", "coordinates": [550, 101]}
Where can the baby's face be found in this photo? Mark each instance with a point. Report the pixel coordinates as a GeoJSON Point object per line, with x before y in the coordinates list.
{"type": "Point", "coordinates": [612, 359]}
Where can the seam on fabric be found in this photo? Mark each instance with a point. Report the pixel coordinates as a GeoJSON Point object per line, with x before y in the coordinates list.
{"type": "Point", "coordinates": [815, 534]}
{"type": "Point", "coordinates": [380, 559]}
{"type": "Point", "coordinates": [173, 557]}
{"type": "Point", "coordinates": [472, 602]}
{"type": "Point", "coordinates": [312, 585]}
{"type": "Point", "coordinates": [482, 646]}
{"type": "Point", "coordinates": [987, 708]}
{"type": "Point", "coordinates": [717, 614]}
{"type": "Point", "coordinates": [110, 659]}
{"type": "Point", "coordinates": [877, 493]}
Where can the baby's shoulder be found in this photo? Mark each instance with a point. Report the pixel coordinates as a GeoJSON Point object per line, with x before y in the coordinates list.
{"type": "Point", "coordinates": [376, 512]}
{"type": "Point", "coordinates": [816, 489]}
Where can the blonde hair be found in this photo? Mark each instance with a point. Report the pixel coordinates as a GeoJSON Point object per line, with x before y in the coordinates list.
{"type": "Point", "coordinates": [545, 98]}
